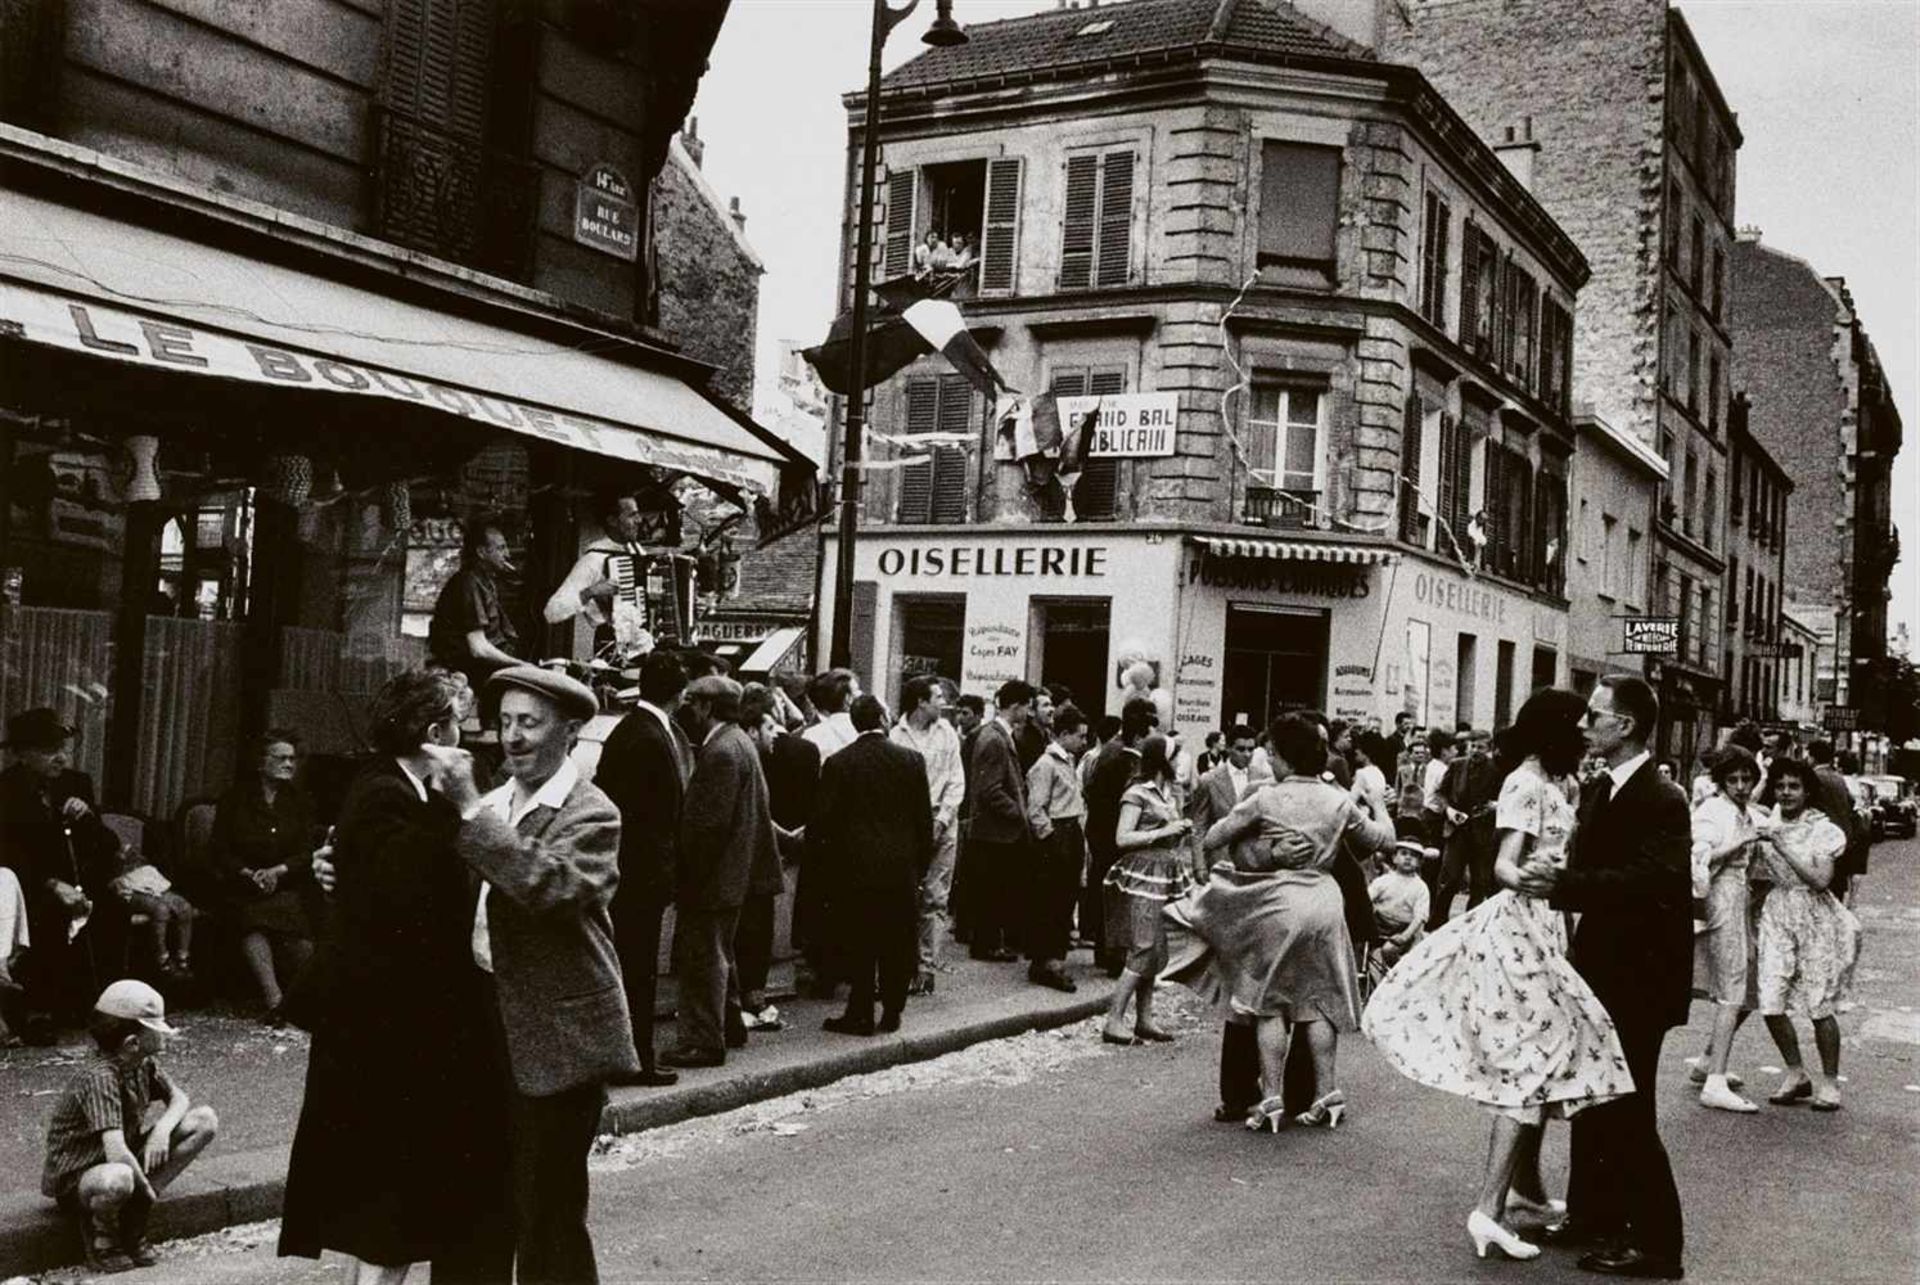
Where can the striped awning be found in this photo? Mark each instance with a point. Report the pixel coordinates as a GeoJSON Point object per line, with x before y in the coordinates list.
{"type": "Point", "coordinates": [1362, 555]}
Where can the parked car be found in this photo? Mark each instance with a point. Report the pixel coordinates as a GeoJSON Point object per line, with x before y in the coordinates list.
{"type": "Point", "coordinates": [1896, 812]}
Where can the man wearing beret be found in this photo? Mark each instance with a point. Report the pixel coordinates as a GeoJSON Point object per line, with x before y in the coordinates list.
{"type": "Point", "coordinates": [726, 830]}
{"type": "Point", "coordinates": [547, 846]}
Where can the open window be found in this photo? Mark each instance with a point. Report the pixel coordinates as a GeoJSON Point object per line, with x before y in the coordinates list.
{"type": "Point", "coordinates": [956, 225]}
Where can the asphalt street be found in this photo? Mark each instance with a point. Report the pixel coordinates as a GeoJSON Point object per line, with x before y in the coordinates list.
{"type": "Point", "coordinates": [1053, 1157]}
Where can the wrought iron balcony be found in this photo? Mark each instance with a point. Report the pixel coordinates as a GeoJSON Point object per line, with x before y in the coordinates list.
{"type": "Point", "coordinates": [1266, 506]}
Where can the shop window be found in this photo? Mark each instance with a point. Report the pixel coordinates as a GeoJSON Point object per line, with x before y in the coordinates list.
{"type": "Point", "coordinates": [1070, 646]}
{"type": "Point", "coordinates": [1503, 674]}
{"type": "Point", "coordinates": [1546, 668]}
{"type": "Point", "coordinates": [1096, 496]}
{"type": "Point", "coordinates": [930, 633]}
{"type": "Point", "coordinates": [1299, 212]}
{"type": "Point", "coordinates": [1286, 438]}
{"type": "Point", "coordinates": [1433, 260]}
{"type": "Point", "coordinates": [1097, 230]}
{"type": "Point", "coordinates": [1276, 659]}
{"type": "Point", "coordinates": [936, 491]}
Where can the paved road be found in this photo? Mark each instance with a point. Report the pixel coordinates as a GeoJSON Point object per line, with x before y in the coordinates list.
{"type": "Point", "coordinates": [1054, 1157]}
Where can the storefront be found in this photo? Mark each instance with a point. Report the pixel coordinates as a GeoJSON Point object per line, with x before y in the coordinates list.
{"type": "Point", "coordinates": [1231, 627]}
{"type": "Point", "coordinates": [231, 478]}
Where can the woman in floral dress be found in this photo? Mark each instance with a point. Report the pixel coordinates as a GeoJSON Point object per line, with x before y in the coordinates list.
{"type": "Point", "coordinates": [1808, 940]}
{"type": "Point", "coordinates": [1152, 870]}
{"type": "Point", "coordinates": [1489, 1007]}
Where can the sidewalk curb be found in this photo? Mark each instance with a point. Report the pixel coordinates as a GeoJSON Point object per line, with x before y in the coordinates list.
{"type": "Point", "coordinates": [245, 1187]}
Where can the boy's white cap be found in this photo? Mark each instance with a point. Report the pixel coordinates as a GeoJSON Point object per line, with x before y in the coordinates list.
{"type": "Point", "coordinates": [1416, 847]}
{"type": "Point", "coordinates": [137, 1002]}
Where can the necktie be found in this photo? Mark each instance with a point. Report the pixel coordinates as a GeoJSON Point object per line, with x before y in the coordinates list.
{"type": "Point", "coordinates": [1602, 793]}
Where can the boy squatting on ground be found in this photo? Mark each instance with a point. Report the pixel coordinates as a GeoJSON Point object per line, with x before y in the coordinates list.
{"type": "Point", "coordinates": [101, 1165]}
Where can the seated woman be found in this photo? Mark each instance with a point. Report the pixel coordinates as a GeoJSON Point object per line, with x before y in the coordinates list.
{"type": "Point", "coordinates": [1269, 932]}
{"type": "Point", "coordinates": [262, 851]}
{"type": "Point", "coordinates": [1808, 940]}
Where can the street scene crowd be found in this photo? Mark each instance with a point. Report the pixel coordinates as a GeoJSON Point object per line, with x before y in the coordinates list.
{"type": "Point", "coordinates": [478, 965]}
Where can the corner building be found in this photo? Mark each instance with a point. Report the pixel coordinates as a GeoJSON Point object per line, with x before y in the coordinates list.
{"type": "Point", "coordinates": [1340, 325]}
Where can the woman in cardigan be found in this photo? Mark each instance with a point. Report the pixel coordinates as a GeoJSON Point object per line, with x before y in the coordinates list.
{"type": "Point", "coordinates": [262, 852]}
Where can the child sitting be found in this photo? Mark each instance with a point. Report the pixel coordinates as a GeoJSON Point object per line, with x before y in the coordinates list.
{"type": "Point", "coordinates": [101, 1164]}
{"type": "Point", "coordinates": [169, 915]}
{"type": "Point", "coordinates": [1400, 902]}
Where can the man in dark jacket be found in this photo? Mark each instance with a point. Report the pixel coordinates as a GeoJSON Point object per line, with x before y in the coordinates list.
{"type": "Point", "coordinates": [872, 837]}
{"type": "Point", "coordinates": [1629, 876]}
{"type": "Point", "coordinates": [643, 769]}
{"type": "Point", "coordinates": [726, 830]}
{"type": "Point", "coordinates": [1836, 800]}
{"type": "Point", "coordinates": [1470, 790]}
{"type": "Point", "coordinates": [53, 840]}
{"type": "Point", "coordinates": [792, 767]}
{"type": "Point", "coordinates": [1112, 772]}
{"type": "Point", "coordinates": [997, 834]}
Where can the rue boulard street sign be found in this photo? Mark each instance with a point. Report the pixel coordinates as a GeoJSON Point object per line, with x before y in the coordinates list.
{"type": "Point", "coordinates": [605, 215]}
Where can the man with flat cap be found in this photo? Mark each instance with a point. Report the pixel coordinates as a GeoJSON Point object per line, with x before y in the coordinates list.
{"type": "Point", "coordinates": [547, 847]}
{"type": "Point", "coordinates": [726, 830]}
{"type": "Point", "coordinates": [52, 838]}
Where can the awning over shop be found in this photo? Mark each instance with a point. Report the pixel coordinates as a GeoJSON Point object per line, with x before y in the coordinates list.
{"type": "Point", "coordinates": [88, 284]}
{"type": "Point", "coordinates": [1364, 555]}
{"type": "Point", "coordinates": [777, 646]}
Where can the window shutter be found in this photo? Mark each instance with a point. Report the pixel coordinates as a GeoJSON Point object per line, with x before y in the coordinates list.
{"type": "Point", "coordinates": [1433, 276]}
{"type": "Point", "coordinates": [1449, 502]}
{"type": "Point", "coordinates": [901, 190]}
{"type": "Point", "coordinates": [1000, 241]}
{"type": "Point", "coordinates": [1097, 494]}
{"type": "Point", "coordinates": [1299, 203]}
{"type": "Point", "coordinates": [948, 502]}
{"type": "Point", "coordinates": [1493, 507]}
{"type": "Point", "coordinates": [433, 111]}
{"type": "Point", "coordinates": [1116, 218]}
{"type": "Point", "coordinates": [1519, 529]}
{"type": "Point", "coordinates": [916, 480]}
{"type": "Point", "coordinates": [1076, 246]}
{"type": "Point", "coordinates": [1410, 469]}
{"type": "Point", "coordinates": [1469, 287]}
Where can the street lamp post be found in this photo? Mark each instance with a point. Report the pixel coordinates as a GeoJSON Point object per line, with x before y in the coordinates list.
{"type": "Point", "coordinates": [943, 32]}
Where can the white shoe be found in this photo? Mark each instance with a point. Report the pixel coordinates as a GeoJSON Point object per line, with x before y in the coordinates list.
{"type": "Point", "coordinates": [1484, 1231]}
{"type": "Point", "coordinates": [1697, 1073]}
{"type": "Point", "coordinates": [1719, 1094]}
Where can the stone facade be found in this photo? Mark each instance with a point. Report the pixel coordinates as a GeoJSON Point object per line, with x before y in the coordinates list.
{"type": "Point", "coordinates": [708, 275]}
{"type": "Point", "coordinates": [1821, 406]}
{"type": "Point", "coordinates": [1760, 500]}
{"type": "Point", "coordinates": [1616, 489]}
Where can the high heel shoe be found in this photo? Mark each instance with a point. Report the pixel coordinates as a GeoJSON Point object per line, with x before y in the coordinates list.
{"type": "Point", "coordinates": [1326, 1111]}
{"type": "Point", "coordinates": [1268, 1117]}
{"type": "Point", "coordinates": [1484, 1231]}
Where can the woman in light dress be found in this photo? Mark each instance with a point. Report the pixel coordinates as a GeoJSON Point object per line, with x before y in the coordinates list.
{"type": "Point", "coordinates": [1268, 934]}
{"type": "Point", "coordinates": [1808, 940]}
{"type": "Point", "coordinates": [1488, 1006]}
{"type": "Point", "coordinates": [1724, 826]}
{"type": "Point", "coordinates": [1152, 870]}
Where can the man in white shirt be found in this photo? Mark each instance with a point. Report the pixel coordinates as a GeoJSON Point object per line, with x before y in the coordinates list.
{"type": "Point", "coordinates": [832, 693]}
{"type": "Point", "coordinates": [924, 728]}
{"type": "Point", "coordinates": [1222, 787]}
{"type": "Point", "coordinates": [590, 591]}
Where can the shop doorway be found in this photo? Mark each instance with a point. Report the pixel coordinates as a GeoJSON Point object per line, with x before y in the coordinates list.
{"type": "Point", "coordinates": [1546, 668]}
{"type": "Point", "coordinates": [929, 631]}
{"type": "Point", "coordinates": [1070, 645]}
{"type": "Point", "coordinates": [1276, 660]}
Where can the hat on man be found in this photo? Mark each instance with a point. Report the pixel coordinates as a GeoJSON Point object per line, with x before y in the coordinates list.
{"type": "Point", "coordinates": [713, 686]}
{"type": "Point", "coordinates": [574, 699]}
{"type": "Point", "coordinates": [137, 1002]}
{"type": "Point", "coordinates": [36, 729]}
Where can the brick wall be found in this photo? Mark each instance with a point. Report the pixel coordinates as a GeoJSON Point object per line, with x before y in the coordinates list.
{"type": "Point", "coordinates": [709, 281]}
{"type": "Point", "coordinates": [1591, 74]}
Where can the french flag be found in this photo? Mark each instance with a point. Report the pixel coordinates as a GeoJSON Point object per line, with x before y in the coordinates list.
{"type": "Point", "coordinates": [899, 333]}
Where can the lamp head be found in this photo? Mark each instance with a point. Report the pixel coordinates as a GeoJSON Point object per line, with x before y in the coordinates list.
{"type": "Point", "coordinates": [945, 32]}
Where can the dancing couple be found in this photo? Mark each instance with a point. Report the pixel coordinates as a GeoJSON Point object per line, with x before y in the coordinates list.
{"type": "Point", "coordinates": [1494, 1008]}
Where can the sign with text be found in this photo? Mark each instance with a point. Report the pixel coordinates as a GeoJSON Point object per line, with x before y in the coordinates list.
{"type": "Point", "coordinates": [1841, 718]}
{"type": "Point", "coordinates": [1652, 636]}
{"type": "Point", "coordinates": [1774, 650]}
{"type": "Point", "coordinates": [605, 215]}
{"type": "Point", "coordinates": [1131, 425]}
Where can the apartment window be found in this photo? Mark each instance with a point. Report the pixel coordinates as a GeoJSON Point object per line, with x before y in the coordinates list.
{"type": "Point", "coordinates": [1286, 431]}
{"type": "Point", "coordinates": [1522, 312]}
{"type": "Point", "coordinates": [1719, 282]}
{"type": "Point", "coordinates": [1709, 508]}
{"type": "Point", "coordinates": [1411, 426]}
{"type": "Point", "coordinates": [1697, 262]}
{"type": "Point", "coordinates": [1713, 392]}
{"type": "Point", "coordinates": [1691, 495]}
{"type": "Point", "coordinates": [1096, 495]}
{"type": "Point", "coordinates": [1733, 599]}
{"type": "Point", "coordinates": [1611, 557]}
{"type": "Point", "coordinates": [1299, 211]}
{"type": "Point", "coordinates": [1693, 371]}
{"type": "Point", "coordinates": [1676, 220]}
{"type": "Point", "coordinates": [1508, 508]}
{"type": "Point", "coordinates": [1635, 582]}
{"type": "Point", "coordinates": [1670, 377]}
{"type": "Point", "coordinates": [1582, 535]}
{"type": "Point", "coordinates": [936, 491]}
{"type": "Point", "coordinates": [1749, 600]}
{"type": "Point", "coordinates": [1734, 474]}
{"type": "Point", "coordinates": [1433, 261]}
{"type": "Point", "coordinates": [1556, 356]}
{"type": "Point", "coordinates": [1096, 234]}
{"type": "Point", "coordinates": [1550, 533]}
{"type": "Point", "coordinates": [1453, 487]}
{"type": "Point", "coordinates": [1479, 291]}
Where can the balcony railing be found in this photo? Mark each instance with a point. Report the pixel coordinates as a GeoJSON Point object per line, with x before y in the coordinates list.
{"type": "Point", "coordinates": [1266, 506]}
{"type": "Point", "coordinates": [452, 196]}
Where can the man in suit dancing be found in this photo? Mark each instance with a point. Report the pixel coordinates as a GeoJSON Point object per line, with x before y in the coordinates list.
{"type": "Point", "coordinates": [1628, 876]}
{"type": "Point", "coordinates": [872, 840]}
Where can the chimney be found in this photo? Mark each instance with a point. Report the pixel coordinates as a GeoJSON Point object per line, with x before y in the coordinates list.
{"type": "Point", "coordinates": [690, 139]}
{"type": "Point", "coordinates": [1357, 20]}
{"type": "Point", "coordinates": [1748, 234]}
{"type": "Point", "coordinates": [739, 219]}
{"type": "Point", "coordinates": [1517, 150]}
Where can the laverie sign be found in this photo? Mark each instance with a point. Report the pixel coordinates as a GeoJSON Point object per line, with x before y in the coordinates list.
{"type": "Point", "coordinates": [1131, 425]}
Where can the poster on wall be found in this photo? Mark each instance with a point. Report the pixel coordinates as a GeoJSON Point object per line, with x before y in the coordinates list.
{"type": "Point", "coordinates": [1419, 648]}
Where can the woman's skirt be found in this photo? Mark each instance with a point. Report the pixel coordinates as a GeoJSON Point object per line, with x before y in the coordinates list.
{"type": "Point", "coordinates": [1267, 944]}
{"type": "Point", "coordinates": [1809, 944]}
